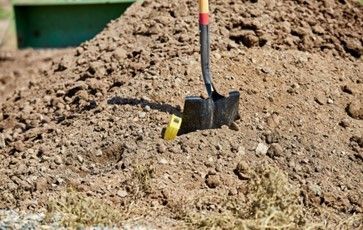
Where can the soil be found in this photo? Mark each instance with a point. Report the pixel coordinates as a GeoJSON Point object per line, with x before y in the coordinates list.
{"type": "Point", "coordinates": [93, 119]}
{"type": "Point", "coordinates": [18, 68]}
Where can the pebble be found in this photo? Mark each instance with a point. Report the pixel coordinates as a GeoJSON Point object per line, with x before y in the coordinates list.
{"type": "Point", "coordinates": [330, 101]}
{"type": "Point", "coordinates": [147, 108]}
{"type": "Point", "coordinates": [320, 99]}
{"type": "Point", "coordinates": [272, 137]}
{"type": "Point", "coordinates": [122, 193]}
{"type": "Point", "coordinates": [234, 126]}
{"type": "Point", "coordinates": [58, 160]}
{"type": "Point", "coordinates": [80, 158]}
{"type": "Point", "coordinates": [161, 148]}
{"type": "Point", "coordinates": [163, 161]}
{"type": "Point", "coordinates": [242, 170]}
{"type": "Point", "coordinates": [241, 150]}
{"type": "Point", "coordinates": [275, 150]}
{"type": "Point", "coordinates": [99, 153]}
{"type": "Point", "coordinates": [355, 109]}
{"type": "Point", "coordinates": [345, 123]}
{"type": "Point", "coordinates": [219, 147]}
{"type": "Point", "coordinates": [347, 89]}
{"type": "Point", "coordinates": [261, 149]}
{"type": "Point", "coordinates": [266, 70]}
{"type": "Point", "coordinates": [142, 114]}
{"type": "Point", "coordinates": [212, 181]}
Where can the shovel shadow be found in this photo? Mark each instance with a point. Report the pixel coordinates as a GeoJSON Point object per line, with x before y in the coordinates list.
{"type": "Point", "coordinates": [165, 108]}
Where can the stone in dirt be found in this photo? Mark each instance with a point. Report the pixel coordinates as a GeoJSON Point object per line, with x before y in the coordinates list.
{"type": "Point", "coordinates": [355, 109]}
{"type": "Point", "coordinates": [275, 150]}
{"type": "Point", "coordinates": [243, 171]}
{"type": "Point", "coordinates": [261, 149]}
{"type": "Point", "coordinates": [345, 123]}
{"type": "Point", "coordinates": [122, 193]}
{"type": "Point", "coordinates": [213, 181]}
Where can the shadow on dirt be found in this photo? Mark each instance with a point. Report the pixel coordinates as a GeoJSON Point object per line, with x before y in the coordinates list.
{"type": "Point", "coordinates": [166, 108]}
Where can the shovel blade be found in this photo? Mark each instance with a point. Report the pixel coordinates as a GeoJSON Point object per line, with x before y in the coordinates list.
{"type": "Point", "coordinates": [211, 113]}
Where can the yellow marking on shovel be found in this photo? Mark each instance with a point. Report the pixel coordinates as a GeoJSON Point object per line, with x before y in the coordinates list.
{"type": "Point", "coordinates": [173, 128]}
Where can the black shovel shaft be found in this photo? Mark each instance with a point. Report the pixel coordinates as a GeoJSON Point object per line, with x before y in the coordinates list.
{"type": "Point", "coordinates": [205, 45]}
{"type": "Point", "coordinates": [204, 53]}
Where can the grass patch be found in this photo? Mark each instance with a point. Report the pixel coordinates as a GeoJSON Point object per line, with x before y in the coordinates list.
{"type": "Point", "coordinates": [75, 210]}
{"type": "Point", "coordinates": [143, 173]}
{"type": "Point", "coordinates": [271, 202]}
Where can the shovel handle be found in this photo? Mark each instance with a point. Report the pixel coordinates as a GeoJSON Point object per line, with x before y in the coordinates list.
{"type": "Point", "coordinates": [205, 44]}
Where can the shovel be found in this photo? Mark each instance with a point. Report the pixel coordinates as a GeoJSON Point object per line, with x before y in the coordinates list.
{"type": "Point", "coordinates": [216, 110]}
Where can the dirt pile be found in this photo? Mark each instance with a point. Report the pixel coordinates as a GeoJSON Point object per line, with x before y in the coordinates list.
{"type": "Point", "coordinates": [19, 68]}
{"type": "Point", "coordinates": [93, 121]}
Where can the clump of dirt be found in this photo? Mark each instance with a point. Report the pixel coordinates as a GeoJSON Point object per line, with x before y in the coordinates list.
{"type": "Point", "coordinates": [93, 120]}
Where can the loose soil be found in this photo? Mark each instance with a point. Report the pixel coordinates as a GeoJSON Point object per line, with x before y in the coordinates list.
{"type": "Point", "coordinates": [92, 120]}
{"type": "Point", "coordinates": [18, 68]}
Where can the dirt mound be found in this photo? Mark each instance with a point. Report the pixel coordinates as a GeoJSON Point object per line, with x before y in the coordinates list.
{"type": "Point", "coordinates": [19, 68]}
{"type": "Point", "coordinates": [93, 121]}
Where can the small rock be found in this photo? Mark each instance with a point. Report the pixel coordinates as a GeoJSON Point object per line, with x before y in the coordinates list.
{"type": "Point", "coordinates": [320, 99]}
{"type": "Point", "coordinates": [59, 181]}
{"type": "Point", "coordinates": [80, 158]}
{"type": "Point", "coordinates": [99, 153]}
{"type": "Point", "coordinates": [241, 150]}
{"type": "Point", "coordinates": [330, 101]}
{"type": "Point", "coordinates": [355, 109]}
{"type": "Point", "coordinates": [275, 150]}
{"type": "Point", "coordinates": [217, 56]}
{"type": "Point", "coordinates": [142, 114]}
{"type": "Point", "coordinates": [147, 108]}
{"type": "Point", "coordinates": [347, 89]}
{"type": "Point", "coordinates": [358, 140]}
{"type": "Point", "coordinates": [272, 137]}
{"type": "Point", "coordinates": [120, 54]}
{"type": "Point", "coordinates": [213, 181]}
{"type": "Point", "coordinates": [345, 123]}
{"type": "Point", "coordinates": [243, 170]}
{"type": "Point", "coordinates": [19, 146]}
{"type": "Point", "coordinates": [218, 147]}
{"type": "Point", "coordinates": [163, 161]}
{"type": "Point", "coordinates": [266, 70]}
{"type": "Point", "coordinates": [318, 29]}
{"type": "Point", "coordinates": [58, 160]}
{"type": "Point", "coordinates": [234, 126]}
{"type": "Point", "coordinates": [232, 192]}
{"type": "Point", "coordinates": [161, 148]}
{"type": "Point", "coordinates": [261, 149]}
{"type": "Point", "coordinates": [122, 193]}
